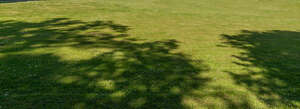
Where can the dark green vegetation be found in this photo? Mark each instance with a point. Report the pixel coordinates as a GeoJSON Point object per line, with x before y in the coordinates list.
{"type": "Point", "coordinates": [169, 54]}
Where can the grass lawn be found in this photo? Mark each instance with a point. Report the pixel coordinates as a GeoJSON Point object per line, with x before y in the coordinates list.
{"type": "Point", "coordinates": [168, 54]}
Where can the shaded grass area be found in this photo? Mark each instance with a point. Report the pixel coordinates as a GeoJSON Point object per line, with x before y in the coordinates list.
{"type": "Point", "coordinates": [149, 54]}
{"type": "Point", "coordinates": [277, 53]}
{"type": "Point", "coordinates": [14, 1]}
{"type": "Point", "coordinates": [123, 72]}
{"type": "Point", "coordinates": [65, 63]}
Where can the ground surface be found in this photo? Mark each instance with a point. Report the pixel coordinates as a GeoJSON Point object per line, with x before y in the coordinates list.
{"type": "Point", "coordinates": [88, 54]}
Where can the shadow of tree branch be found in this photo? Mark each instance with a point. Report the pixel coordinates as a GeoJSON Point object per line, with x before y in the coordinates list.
{"type": "Point", "coordinates": [63, 63]}
{"type": "Point", "coordinates": [277, 54]}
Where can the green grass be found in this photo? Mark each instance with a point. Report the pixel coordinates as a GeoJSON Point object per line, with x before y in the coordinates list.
{"type": "Point", "coordinates": [177, 54]}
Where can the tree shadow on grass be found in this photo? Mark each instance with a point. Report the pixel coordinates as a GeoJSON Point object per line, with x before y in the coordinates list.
{"type": "Point", "coordinates": [14, 1]}
{"type": "Point", "coordinates": [277, 56]}
{"type": "Point", "coordinates": [63, 63]}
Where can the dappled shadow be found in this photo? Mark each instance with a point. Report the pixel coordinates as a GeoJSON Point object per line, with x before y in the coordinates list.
{"type": "Point", "coordinates": [63, 63]}
{"type": "Point", "coordinates": [271, 60]}
{"type": "Point", "coordinates": [14, 1]}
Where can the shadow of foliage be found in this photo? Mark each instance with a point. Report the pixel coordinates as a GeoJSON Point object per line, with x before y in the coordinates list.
{"type": "Point", "coordinates": [122, 72]}
{"type": "Point", "coordinates": [276, 54]}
